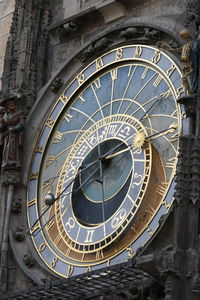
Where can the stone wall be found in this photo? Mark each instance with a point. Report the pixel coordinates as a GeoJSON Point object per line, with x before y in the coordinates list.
{"type": "Point", "coordinates": [103, 14]}
{"type": "Point", "coordinates": [6, 12]}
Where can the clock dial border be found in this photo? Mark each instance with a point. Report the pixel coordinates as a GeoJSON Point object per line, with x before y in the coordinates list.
{"type": "Point", "coordinates": [130, 53]}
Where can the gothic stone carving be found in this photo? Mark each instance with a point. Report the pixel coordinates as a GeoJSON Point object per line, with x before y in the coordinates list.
{"type": "Point", "coordinates": [95, 48]}
{"type": "Point", "coordinates": [193, 13]}
{"type": "Point", "coordinates": [66, 29]}
{"type": "Point", "coordinates": [11, 176]}
{"type": "Point", "coordinates": [16, 206]}
{"type": "Point", "coordinates": [24, 67]}
{"type": "Point", "coordinates": [169, 262]}
{"type": "Point", "coordinates": [18, 234]}
{"type": "Point", "coordinates": [140, 32]}
{"type": "Point", "coordinates": [29, 260]}
{"type": "Point", "coordinates": [56, 85]}
{"type": "Point", "coordinates": [129, 33]}
{"type": "Point", "coordinates": [195, 171]}
{"type": "Point", "coordinates": [189, 105]}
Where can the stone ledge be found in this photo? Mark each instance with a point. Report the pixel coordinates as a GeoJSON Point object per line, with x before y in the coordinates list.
{"type": "Point", "coordinates": [108, 10]}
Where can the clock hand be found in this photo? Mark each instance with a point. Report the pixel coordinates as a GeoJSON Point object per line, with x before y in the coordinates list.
{"type": "Point", "coordinates": [52, 199]}
{"type": "Point", "coordinates": [116, 162]}
{"type": "Point", "coordinates": [102, 157]}
{"type": "Point", "coordinates": [102, 187]}
{"type": "Point", "coordinates": [171, 129]}
{"type": "Point", "coordinates": [150, 108]}
{"type": "Point", "coordinates": [107, 156]}
{"type": "Point", "coordinates": [86, 181]}
{"type": "Point", "coordinates": [119, 152]}
{"type": "Point", "coordinates": [57, 199]}
{"type": "Point", "coordinates": [80, 186]}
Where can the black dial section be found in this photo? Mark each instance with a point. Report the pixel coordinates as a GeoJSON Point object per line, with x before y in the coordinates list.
{"type": "Point", "coordinates": [92, 192]}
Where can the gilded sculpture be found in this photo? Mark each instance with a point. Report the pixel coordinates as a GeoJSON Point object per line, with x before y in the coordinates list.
{"type": "Point", "coordinates": [190, 62]}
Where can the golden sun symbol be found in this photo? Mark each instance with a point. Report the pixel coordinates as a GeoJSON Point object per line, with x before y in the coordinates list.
{"type": "Point", "coordinates": [139, 139]}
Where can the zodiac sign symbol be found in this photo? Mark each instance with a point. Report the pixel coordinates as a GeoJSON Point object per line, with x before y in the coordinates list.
{"type": "Point", "coordinates": [108, 130]}
{"type": "Point", "coordinates": [93, 140]}
{"type": "Point", "coordinates": [118, 218]}
{"type": "Point", "coordinates": [138, 178]}
{"type": "Point", "coordinates": [82, 150]}
{"type": "Point", "coordinates": [125, 132]}
{"type": "Point", "coordinates": [73, 167]}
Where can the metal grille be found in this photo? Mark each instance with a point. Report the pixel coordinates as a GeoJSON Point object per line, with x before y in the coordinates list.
{"type": "Point", "coordinates": [84, 286]}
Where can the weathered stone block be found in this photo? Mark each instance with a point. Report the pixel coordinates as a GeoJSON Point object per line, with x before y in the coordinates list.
{"type": "Point", "coordinates": [3, 42]}
{"type": "Point", "coordinates": [70, 7]}
{"type": "Point", "coordinates": [5, 24]}
{"type": "Point", "coordinates": [111, 10]}
{"type": "Point", "coordinates": [1, 66]}
{"type": "Point", "coordinates": [6, 7]}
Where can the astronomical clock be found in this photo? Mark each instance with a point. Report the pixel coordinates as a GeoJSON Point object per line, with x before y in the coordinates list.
{"type": "Point", "coordinates": [106, 155]}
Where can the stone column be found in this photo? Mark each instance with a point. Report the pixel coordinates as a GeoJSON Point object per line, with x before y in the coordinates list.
{"type": "Point", "coordinates": [6, 13]}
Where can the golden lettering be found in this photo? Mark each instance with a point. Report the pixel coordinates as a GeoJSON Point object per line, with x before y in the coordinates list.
{"type": "Point", "coordinates": [150, 210]}
{"type": "Point", "coordinates": [33, 176]}
{"type": "Point", "coordinates": [138, 51]}
{"type": "Point", "coordinates": [38, 149]}
{"type": "Point", "coordinates": [81, 78]}
{"type": "Point", "coordinates": [50, 161]}
{"type": "Point", "coordinates": [50, 224]}
{"type": "Point", "coordinates": [113, 73]}
{"type": "Point", "coordinates": [57, 137]}
{"type": "Point", "coordinates": [144, 73]}
{"type": "Point", "coordinates": [99, 254]}
{"type": "Point", "coordinates": [32, 202]}
{"type": "Point", "coordinates": [166, 94]}
{"type": "Point", "coordinates": [68, 117]}
{"type": "Point", "coordinates": [89, 236]}
{"type": "Point", "coordinates": [42, 247]}
{"type": "Point", "coordinates": [57, 240]}
{"type": "Point", "coordinates": [54, 261]}
{"type": "Point", "coordinates": [155, 59]}
{"type": "Point", "coordinates": [171, 70]}
{"type": "Point", "coordinates": [162, 188]}
{"type": "Point", "coordinates": [157, 81]}
{"type": "Point", "coordinates": [70, 270]}
{"type": "Point", "coordinates": [119, 53]}
{"type": "Point", "coordinates": [50, 122]}
{"type": "Point", "coordinates": [180, 91]}
{"type": "Point", "coordinates": [97, 83]}
{"type": "Point", "coordinates": [99, 63]}
{"type": "Point", "coordinates": [63, 98]}
{"type": "Point", "coordinates": [171, 162]}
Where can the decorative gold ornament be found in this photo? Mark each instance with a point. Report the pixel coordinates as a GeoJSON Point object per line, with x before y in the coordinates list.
{"type": "Point", "coordinates": [139, 139]}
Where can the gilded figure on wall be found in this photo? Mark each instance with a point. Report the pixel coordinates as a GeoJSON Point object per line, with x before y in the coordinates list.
{"type": "Point", "coordinates": [190, 62]}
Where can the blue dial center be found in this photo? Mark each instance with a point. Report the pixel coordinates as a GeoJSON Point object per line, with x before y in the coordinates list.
{"type": "Point", "coordinates": [115, 170]}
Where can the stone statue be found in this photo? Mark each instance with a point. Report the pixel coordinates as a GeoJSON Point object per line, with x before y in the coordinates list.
{"type": "Point", "coordinates": [12, 126]}
{"type": "Point", "coordinates": [190, 62]}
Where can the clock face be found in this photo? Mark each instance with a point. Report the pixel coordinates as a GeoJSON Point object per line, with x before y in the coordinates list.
{"type": "Point", "coordinates": [108, 152]}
